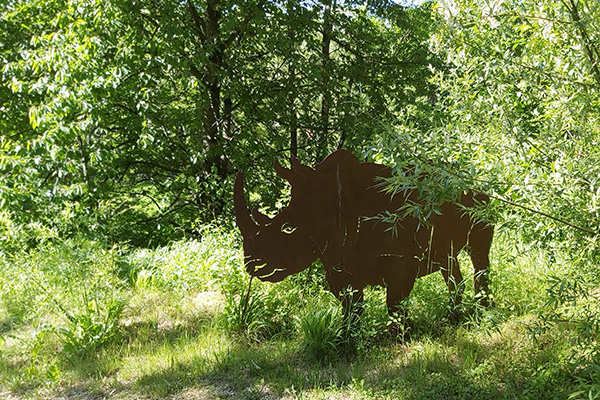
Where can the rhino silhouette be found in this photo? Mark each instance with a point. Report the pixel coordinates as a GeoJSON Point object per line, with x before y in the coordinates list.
{"type": "Point", "coordinates": [333, 216]}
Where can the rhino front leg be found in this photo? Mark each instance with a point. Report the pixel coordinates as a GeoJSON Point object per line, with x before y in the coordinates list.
{"type": "Point", "coordinates": [481, 243]}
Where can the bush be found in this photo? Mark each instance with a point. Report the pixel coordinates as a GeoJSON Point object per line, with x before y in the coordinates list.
{"type": "Point", "coordinates": [188, 266]}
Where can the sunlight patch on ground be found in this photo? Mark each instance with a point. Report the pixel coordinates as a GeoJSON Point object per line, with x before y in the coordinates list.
{"type": "Point", "coordinates": [208, 302]}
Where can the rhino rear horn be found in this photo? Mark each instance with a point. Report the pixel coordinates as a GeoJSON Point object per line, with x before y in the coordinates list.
{"type": "Point", "coordinates": [301, 169]}
{"type": "Point", "coordinates": [285, 173]}
{"type": "Point", "coordinates": [259, 217]}
{"type": "Point", "coordinates": [242, 216]}
{"type": "Point", "coordinates": [291, 175]}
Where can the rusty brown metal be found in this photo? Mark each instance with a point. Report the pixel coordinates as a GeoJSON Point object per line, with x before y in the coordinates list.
{"type": "Point", "coordinates": [333, 216]}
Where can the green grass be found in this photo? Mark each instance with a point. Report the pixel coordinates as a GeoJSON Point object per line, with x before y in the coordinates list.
{"type": "Point", "coordinates": [182, 335]}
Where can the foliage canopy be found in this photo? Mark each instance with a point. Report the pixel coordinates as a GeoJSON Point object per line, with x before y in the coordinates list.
{"type": "Point", "coordinates": [128, 119]}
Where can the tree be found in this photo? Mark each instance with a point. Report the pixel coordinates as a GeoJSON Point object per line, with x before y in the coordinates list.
{"type": "Point", "coordinates": [522, 95]}
{"type": "Point", "coordinates": [128, 119]}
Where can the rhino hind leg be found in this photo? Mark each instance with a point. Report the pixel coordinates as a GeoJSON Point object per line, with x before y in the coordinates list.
{"type": "Point", "coordinates": [480, 243]}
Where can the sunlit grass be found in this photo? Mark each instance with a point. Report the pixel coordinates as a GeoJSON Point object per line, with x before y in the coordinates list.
{"type": "Point", "coordinates": [175, 334]}
{"type": "Point", "coordinates": [176, 337]}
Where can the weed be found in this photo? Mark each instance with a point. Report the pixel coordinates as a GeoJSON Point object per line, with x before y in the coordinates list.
{"type": "Point", "coordinates": [259, 311]}
{"type": "Point", "coordinates": [93, 327]}
{"type": "Point", "coordinates": [245, 314]}
{"type": "Point", "coordinates": [321, 332]}
{"type": "Point", "coordinates": [70, 289]}
{"type": "Point", "coordinates": [586, 370]}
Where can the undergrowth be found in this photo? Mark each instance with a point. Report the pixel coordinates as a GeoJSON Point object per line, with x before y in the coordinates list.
{"type": "Point", "coordinates": [187, 318]}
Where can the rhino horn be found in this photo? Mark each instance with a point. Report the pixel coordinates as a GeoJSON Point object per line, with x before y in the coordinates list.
{"type": "Point", "coordinates": [245, 223]}
{"type": "Point", "coordinates": [300, 168]}
{"type": "Point", "coordinates": [259, 217]}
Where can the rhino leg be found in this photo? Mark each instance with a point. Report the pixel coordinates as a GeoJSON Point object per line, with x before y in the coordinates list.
{"type": "Point", "coordinates": [401, 324]}
{"type": "Point", "coordinates": [398, 290]}
{"type": "Point", "coordinates": [480, 244]}
{"type": "Point", "coordinates": [395, 294]}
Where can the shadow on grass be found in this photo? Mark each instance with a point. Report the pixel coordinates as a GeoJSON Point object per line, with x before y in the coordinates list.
{"type": "Point", "coordinates": [444, 365]}
{"type": "Point", "coordinates": [143, 336]}
{"type": "Point", "coordinates": [276, 369]}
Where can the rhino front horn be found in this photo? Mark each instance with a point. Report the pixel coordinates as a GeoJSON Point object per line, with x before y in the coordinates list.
{"type": "Point", "coordinates": [242, 216]}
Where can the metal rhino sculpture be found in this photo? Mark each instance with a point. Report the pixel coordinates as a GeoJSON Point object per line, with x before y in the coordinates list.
{"type": "Point", "coordinates": [333, 216]}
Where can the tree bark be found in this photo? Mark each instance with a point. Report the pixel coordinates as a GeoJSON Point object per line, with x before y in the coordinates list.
{"type": "Point", "coordinates": [293, 116]}
{"type": "Point", "coordinates": [325, 65]}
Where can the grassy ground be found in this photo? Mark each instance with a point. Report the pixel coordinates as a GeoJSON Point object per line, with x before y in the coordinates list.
{"type": "Point", "coordinates": [82, 321]}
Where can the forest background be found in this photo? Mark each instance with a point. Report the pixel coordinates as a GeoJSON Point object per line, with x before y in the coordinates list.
{"type": "Point", "coordinates": [123, 124]}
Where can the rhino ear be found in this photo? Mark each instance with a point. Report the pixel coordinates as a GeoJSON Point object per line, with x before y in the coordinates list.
{"type": "Point", "coordinates": [285, 173]}
{"type": "Point", "coordinates": [300, 168]}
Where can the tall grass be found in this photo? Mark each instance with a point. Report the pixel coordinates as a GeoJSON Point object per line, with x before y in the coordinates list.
{"type": "Point", "coordinates": [215, 263]}
{"type": "Point", "coordinates": [188, 266]}
{"type": "Point", "coordinates": [68, 288]}
{"type": "Point", "coordinates": [162, 322]}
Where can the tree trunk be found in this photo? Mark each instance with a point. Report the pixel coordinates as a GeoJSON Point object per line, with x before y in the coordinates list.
{"type": "Point", "coordinates": [293, 118]}
{"type": "Point", "coordinates": [209, 74]}
{"type": "Point", "coordinates": [211, 80]}
{"type": "Point", "coordinates": [325, 65]}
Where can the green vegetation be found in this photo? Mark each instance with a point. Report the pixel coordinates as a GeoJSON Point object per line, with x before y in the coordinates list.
{"type": "Point", "coordinates": [80, 320]}
{"type": "Point", "coordinates": [123, 124]}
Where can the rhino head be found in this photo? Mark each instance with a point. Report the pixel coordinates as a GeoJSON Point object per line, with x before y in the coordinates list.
{"type": "Point", "coordinates": [277, 247]}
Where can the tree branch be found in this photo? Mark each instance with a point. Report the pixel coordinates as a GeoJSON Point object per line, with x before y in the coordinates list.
{"type": "Point", "coordinates": [543, 214]}
{"type": "Point", "coordinates": [199, 23]}
{"type": "Point", "coordinates": [591, 52]}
